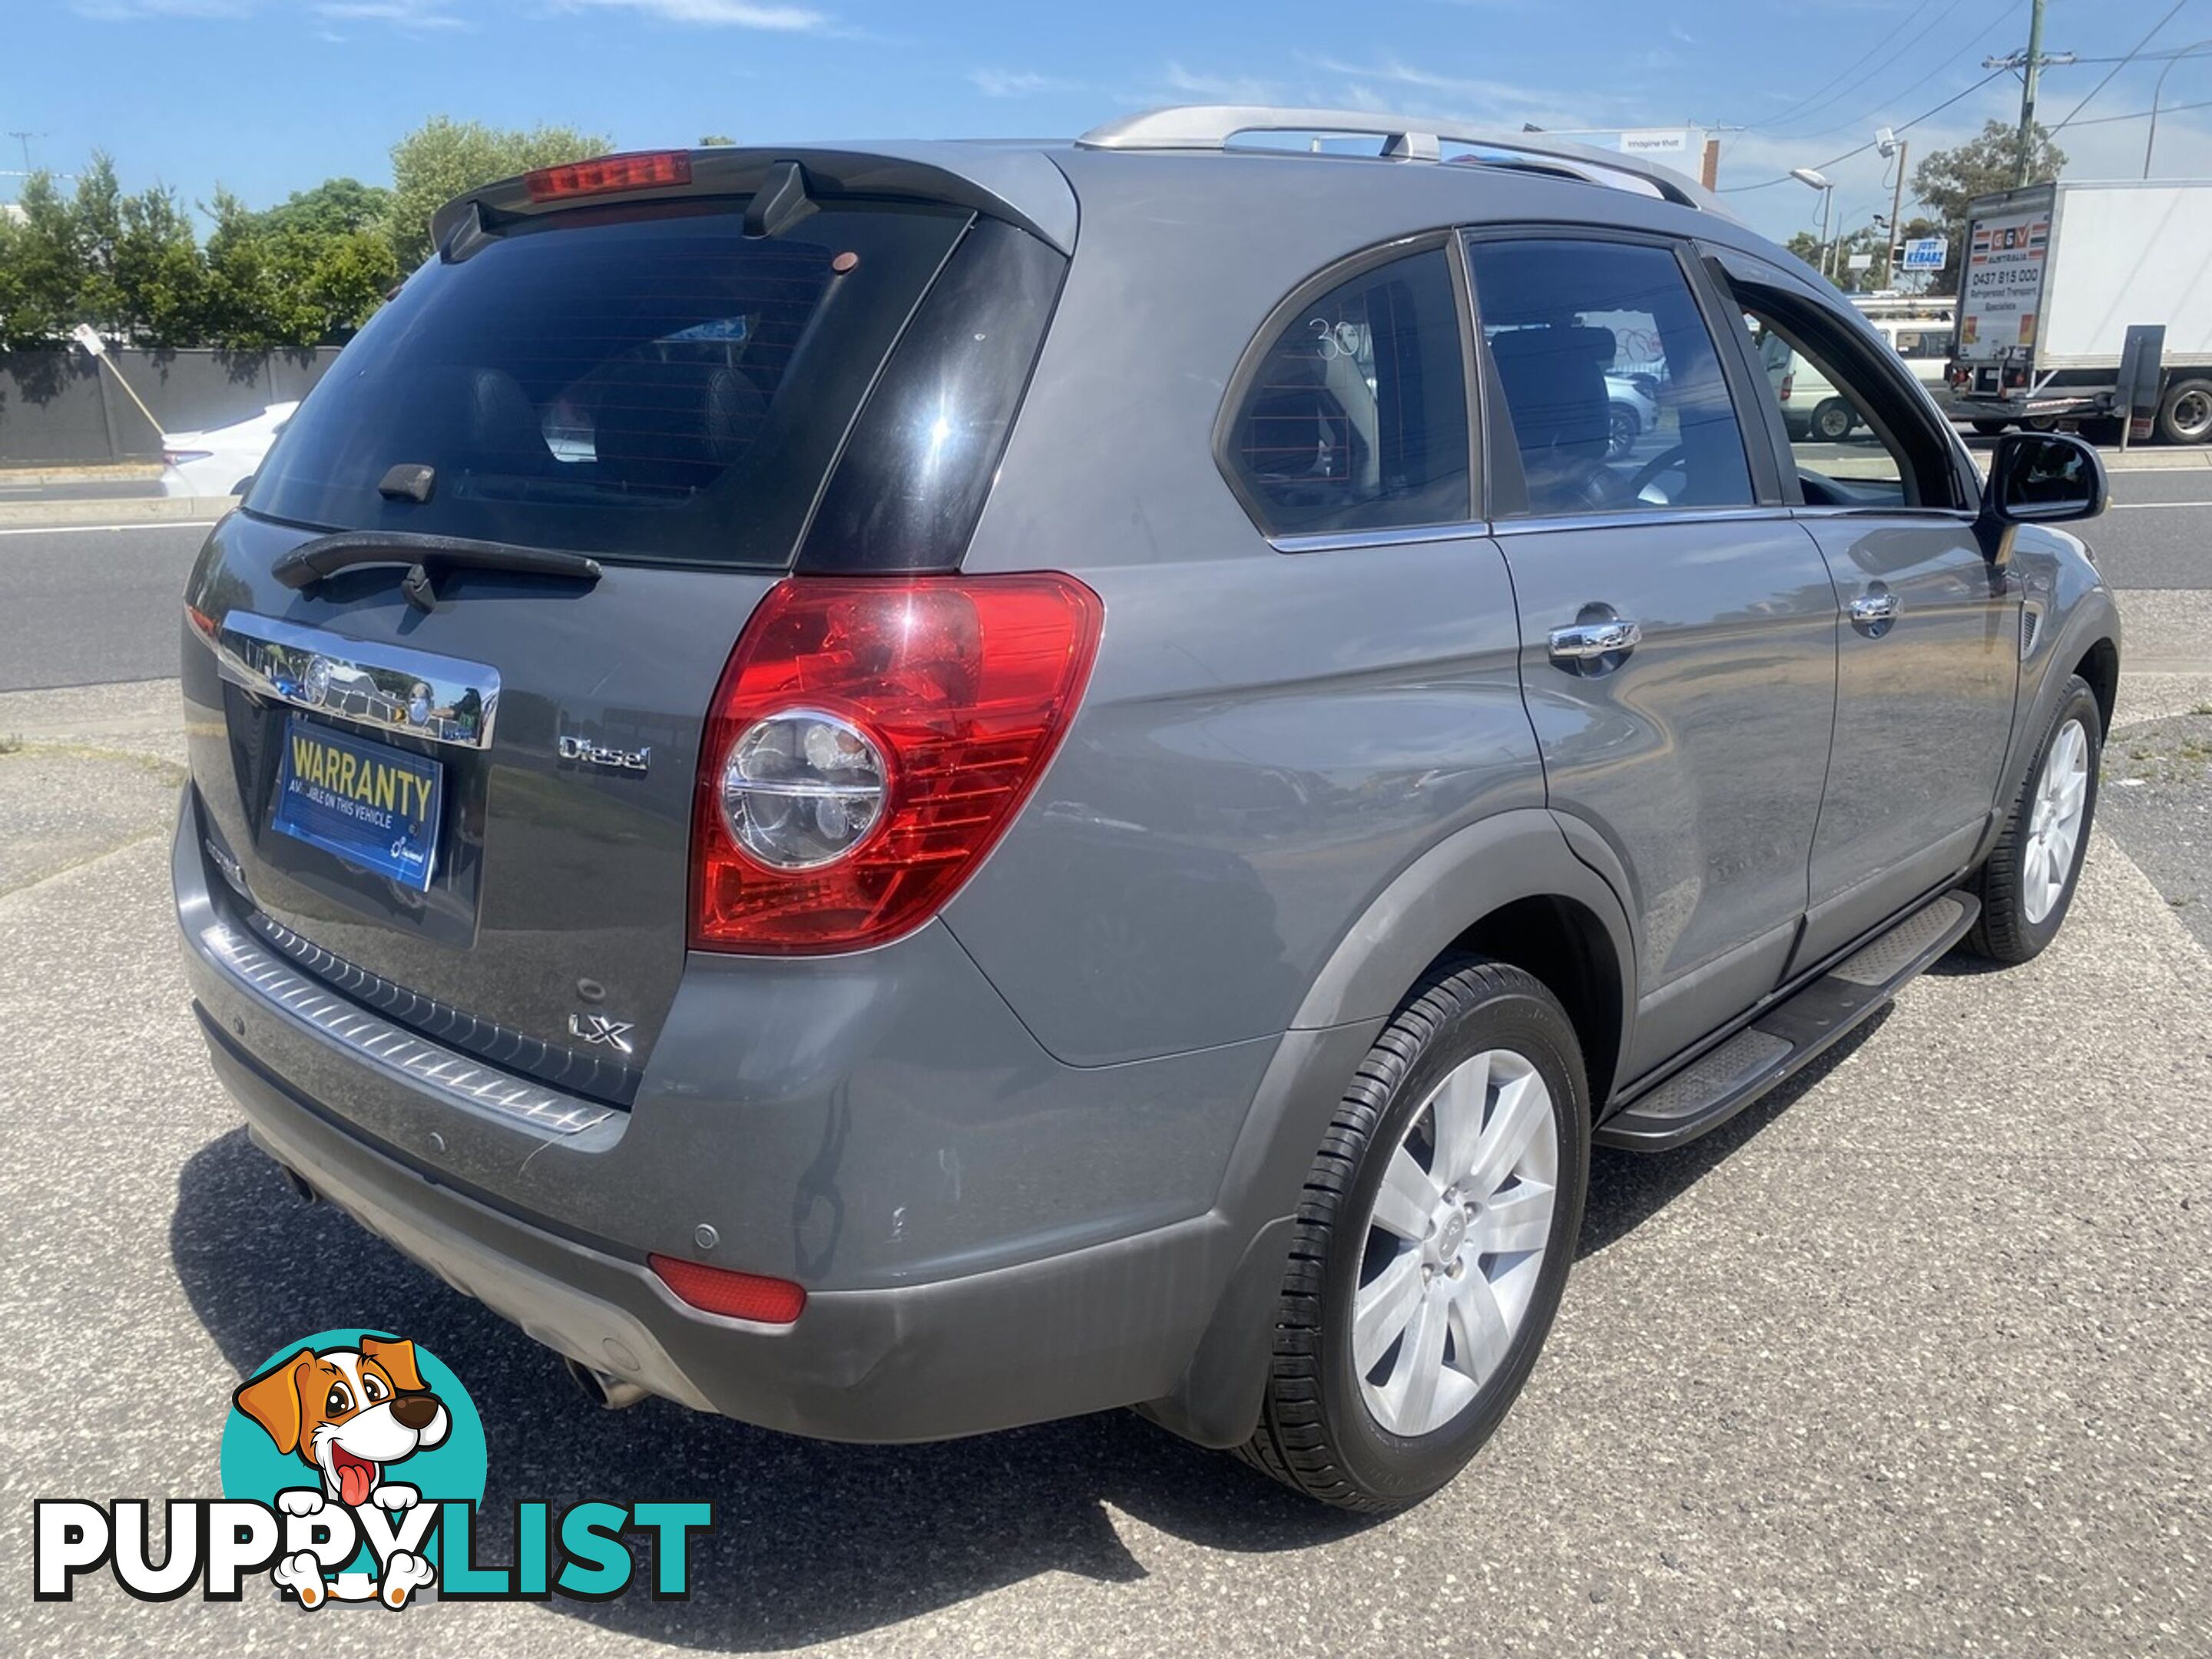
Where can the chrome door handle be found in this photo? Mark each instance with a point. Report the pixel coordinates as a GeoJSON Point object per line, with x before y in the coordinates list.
{"type": "Point", "coordinates": [1586, 641]}
{"type": "Point", "coordinates": [1875, 608]}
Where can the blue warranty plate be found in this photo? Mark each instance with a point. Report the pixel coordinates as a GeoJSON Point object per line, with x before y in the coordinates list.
{"type": "Point", "coordinates": [371, 806]}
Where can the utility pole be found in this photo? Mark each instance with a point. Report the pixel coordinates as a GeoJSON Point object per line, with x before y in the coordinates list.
{"type": "Point", "coordinates": [2031, 64]}
{"type": "Point", "coordinates": [2030, 76]}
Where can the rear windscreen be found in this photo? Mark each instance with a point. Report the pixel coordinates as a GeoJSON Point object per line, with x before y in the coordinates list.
{"type": "Point", "coordinates": [642, 382]}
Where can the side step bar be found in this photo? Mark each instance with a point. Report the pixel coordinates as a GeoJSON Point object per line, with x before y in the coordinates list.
{"type": "Point", "coordinates": [1717, 1085]}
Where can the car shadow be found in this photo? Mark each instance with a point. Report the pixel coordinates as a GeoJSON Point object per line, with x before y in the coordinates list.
{"type": "Point", "coordinates": [810, 1541]}
{"type": "Point", "coordinates": [1627, 1189]}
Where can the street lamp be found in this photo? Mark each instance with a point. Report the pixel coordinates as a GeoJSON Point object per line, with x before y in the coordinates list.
{"type": "Point", "coordinates": [1818, 181]}
{"type": "Point", "coordinates": [2159, 91]}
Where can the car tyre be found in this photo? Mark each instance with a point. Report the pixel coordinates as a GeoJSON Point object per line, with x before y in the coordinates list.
{"type": "Point", "coordinates": [1476, 1042]}
{"type": "Point", "coordinates": [2027, 883]}
{"type": "Point", "coordinates": [1622, 432]}
{"type": "Point", "coordinates": [1833, 420]}
{"type": "Point", "coordinates": [2185, 414]}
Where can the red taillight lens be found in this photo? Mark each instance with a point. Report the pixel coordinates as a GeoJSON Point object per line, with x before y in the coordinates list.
{"type": "Point", "coordinates": [1789, 383]}
{"type": "Point", "coordinates": [637, 169]}
{"type": "Point", "coordinates": [963, 686]}
{"type": "Point", "coordinates": [733, 1295]}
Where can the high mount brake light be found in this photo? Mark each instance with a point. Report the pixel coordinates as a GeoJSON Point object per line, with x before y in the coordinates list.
{"type": "Point", "coordinates": [871, 740]}
{"type": "Point", "coordinates": [636, 169]}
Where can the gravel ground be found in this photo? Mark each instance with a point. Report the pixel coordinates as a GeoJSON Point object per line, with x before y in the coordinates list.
{"type": "Point", "coordinates": [1914, 1358]}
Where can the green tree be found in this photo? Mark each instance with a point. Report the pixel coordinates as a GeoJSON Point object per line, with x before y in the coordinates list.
{"type": "Point", "coordinates": [158, 270]}
{"type": "Point", "coordinates": [1947, 180]}
{"type": "Point", "coordinates": [96, 224]}
{"type": "Point", "coordinates": [335, 207]}
{"type": "Point", "coordinates": [443, 158]}
{"type": "Point", "coordinates": [41, 267]}
{"type": "Point", "coordinates": [715, 140]}
{"type": "Point", "coordinates": [1865, 240]}
{"type": "Point", "coordinates": [341, 280]}
{"type": "Point", "coordinates": [247, 306]}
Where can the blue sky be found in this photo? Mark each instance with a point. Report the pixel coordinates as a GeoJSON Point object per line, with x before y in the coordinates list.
{"type": "Point", "coordinates": [268, 96]}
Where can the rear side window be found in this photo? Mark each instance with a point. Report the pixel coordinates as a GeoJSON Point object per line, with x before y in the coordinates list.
{"type": "Point", "coordinates": [1611, 378]}
{"type": "Point", "coordinates": [1356, 418]}
{"type": "Point", "coordinates": [640, 381]}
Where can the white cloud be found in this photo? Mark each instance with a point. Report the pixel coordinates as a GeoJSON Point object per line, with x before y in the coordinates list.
{"type": "Point", "coordinates": [119, 11]}
{"type": "Point", "coordinates": [1221, 88]}
{"type": "Point", "coordinates": [411, 14]}
{"type": "Point", "coordinates": [1017, 83]}
{"type": "Point", "coordinates": [720, 14]}
{"type": "Point", "coordinates": [1477, 99]}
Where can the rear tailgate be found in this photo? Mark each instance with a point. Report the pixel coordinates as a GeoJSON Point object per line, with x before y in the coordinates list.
{"type": "Point", "coordinates": [470, 805]}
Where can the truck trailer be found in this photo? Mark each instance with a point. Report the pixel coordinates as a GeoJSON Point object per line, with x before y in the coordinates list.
{"type": "Point", "coordinates": [2054, 274]}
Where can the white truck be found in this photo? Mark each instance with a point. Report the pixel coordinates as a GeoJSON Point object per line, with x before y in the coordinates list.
{"type": "Point", "coordinates": [2053, 276]}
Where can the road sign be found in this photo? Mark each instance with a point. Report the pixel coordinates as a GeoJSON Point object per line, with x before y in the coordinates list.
{"type": "Point", "coordinates": [1659, 141]}
{"type": "Point", "coordinates": [84, 336]}
{"type": "Point", "coordinates": [1859, 262]}
{"type": "Point", "coordinates": [1927, 252]}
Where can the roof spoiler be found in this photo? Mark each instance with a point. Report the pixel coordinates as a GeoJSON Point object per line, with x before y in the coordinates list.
{"type": "Point", "coordinates": [1025, 189]}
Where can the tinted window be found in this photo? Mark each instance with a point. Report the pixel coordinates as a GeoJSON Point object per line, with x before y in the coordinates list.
{"type": "Point", "coordinates": [615, 381]}
{"type": "Point", "coordinates": [1612, 383]}
{"type": "Point", "coordinates": [1356, 418]}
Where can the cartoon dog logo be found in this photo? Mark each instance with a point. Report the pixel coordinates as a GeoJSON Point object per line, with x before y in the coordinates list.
{"type": "Point", "coordinates": [350, 1415]}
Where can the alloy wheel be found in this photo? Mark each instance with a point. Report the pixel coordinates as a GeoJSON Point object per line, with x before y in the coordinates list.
{"type": "Point", "coordinates": [2054, 825]}
{"type": "Point", "coordinates": [1456, 1242]}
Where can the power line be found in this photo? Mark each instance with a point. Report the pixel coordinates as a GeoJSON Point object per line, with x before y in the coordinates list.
{"type": "Point", "coordinates": [1853, 85]}
{"type": "Point", "coordinates": [1903, 127]}
{"type": "Point", "coordinates": [2138, 115]}
{"type": "Point", "coordinates": [1803, 104]}
{"type": "Point", "coordinates": [2122, 64]}
{"type": "Point", "coordinates": [1906, 91]}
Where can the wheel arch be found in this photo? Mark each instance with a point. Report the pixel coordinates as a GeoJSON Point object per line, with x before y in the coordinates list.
{"type": "Point", "coordinates": [1509, 887]}
{"type": "Point", "coordinates": [1498, 887]}
{"type": "Point", "coordinates": [2100, 666]}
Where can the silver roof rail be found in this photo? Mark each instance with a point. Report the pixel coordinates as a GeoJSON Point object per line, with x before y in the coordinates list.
{"type": "Point", "coordinates": [1410, 139]}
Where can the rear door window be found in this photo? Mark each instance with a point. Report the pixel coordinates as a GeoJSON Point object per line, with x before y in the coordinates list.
{"type": "Point", "coordinates": [1355, 416]}
{"type": "Point", "coordinates": [646, 382]}
{"type": "Point", "coordinates": [1612, 383]}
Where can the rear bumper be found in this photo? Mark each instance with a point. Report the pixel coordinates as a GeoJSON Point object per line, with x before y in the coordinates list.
{"type": "Point", "coordinates": [1109, 1325]}
{"type": "Point", "coordinates": [549, 1225]}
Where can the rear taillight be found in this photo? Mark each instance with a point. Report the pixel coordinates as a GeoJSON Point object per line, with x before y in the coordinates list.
{"type": "Point", "coordinates": [1788, 381]}
{"type": "Point", "coordinates": [733, 1295]}
{"type": "Point", "coordinates": [637, 169]}
{"type": "Point", "coordinates": [870, 741]}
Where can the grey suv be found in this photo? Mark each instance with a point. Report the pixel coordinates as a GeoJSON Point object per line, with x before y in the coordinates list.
{"type": "Point", "coordinates": [904, 789]}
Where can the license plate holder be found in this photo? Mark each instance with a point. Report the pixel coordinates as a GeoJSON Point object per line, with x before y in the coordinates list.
{"type": "Point", "coordinates": [374, 807]}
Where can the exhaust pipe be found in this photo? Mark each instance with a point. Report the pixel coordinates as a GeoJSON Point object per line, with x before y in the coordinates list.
{"type": "Point", "coordinates": [298, 1183]}
{"type": "Point", "coordinates": [608, 1393]}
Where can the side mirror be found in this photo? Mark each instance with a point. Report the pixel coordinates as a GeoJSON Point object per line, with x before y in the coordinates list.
{"type": "Point", "coordinates": [2044, 478]}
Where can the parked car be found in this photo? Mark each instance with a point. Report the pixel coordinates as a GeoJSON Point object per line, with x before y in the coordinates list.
{"type": "Point", "coordinates": [1634, 411]}
{"type": "Point", "coordinates": [222, 461]}
{"type": "Point", "coordinates": [1111, 830]}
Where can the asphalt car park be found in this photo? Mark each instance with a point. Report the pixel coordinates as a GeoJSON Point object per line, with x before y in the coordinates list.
{"type": "Point", "coordinates": [1915, 1356]}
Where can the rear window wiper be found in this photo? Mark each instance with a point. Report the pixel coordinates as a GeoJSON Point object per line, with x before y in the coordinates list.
{"type": "Point", "coordinates": [424, 555]}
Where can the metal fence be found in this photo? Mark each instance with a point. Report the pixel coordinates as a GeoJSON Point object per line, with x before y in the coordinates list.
{"type": "Point", "coordinates": [60, 408]}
